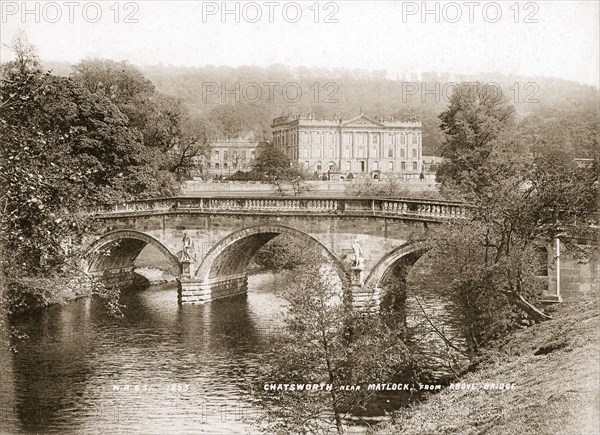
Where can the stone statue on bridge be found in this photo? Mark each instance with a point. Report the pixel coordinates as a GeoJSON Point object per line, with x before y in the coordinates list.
{"type": "Point", "coordinates": [358, 265]}
{"type": "Point", "coordinates": [361, 270]}
{"type": "Point", "coordinates": [357, 252]}
{"type": "Point", "coordinates": [187, 248]}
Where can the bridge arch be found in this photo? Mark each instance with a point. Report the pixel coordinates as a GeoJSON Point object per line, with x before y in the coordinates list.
{"type": "Point", "coordinates": [232, 255]}
{"type": "Point", "coordinates": [124, 246]}
{"type": "Point", "coordinates": [386, 265]}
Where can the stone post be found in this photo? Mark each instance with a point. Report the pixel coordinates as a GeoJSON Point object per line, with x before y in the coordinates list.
{"type": "Point", "coordinates": [363, 298]}
{"type": "Point", "coordinates": [187, 268]}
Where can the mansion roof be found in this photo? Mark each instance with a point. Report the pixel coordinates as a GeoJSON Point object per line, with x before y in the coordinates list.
{"type": "Point", "coordinates": [361, 120]}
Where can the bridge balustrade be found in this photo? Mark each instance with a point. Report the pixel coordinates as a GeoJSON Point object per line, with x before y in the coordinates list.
{"type": "Point", "coordinates": [364, 206]}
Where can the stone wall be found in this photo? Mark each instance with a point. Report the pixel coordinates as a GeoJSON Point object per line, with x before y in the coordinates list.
{"type": "Point", "coordinates": [576, 278]}
{"type": "Point", "coordinates": [337, 188]}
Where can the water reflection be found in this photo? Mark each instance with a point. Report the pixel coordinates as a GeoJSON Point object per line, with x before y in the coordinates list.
{"type": "Point", "coordinates": [160, 369]}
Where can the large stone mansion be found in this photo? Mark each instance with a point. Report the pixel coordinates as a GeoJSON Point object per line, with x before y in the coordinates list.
{"type": "Point", "coordinates": [363, 146]}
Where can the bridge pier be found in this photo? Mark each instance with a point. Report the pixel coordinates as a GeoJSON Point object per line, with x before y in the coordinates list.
{"type": "Point", "coordinates": [193, 290]}
{"type": "Point", "coordinates": [365, 299]}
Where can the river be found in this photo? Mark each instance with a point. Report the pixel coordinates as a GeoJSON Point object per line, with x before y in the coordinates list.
{"type": "Point", "coordinates": [162, 368]}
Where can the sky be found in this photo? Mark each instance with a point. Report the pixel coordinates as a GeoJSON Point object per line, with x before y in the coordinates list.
{"type": "Point", "coordinates": [539, 38]}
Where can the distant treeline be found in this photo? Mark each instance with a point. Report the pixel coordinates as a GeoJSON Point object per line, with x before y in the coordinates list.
{"type": "Point", "coordinates": [243, 101]}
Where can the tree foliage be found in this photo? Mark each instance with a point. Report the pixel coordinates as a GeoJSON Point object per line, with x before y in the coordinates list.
{"type": "Point", "coordinates": [271, 162]}
{"type": "Point", "coordinates": [64, 149]}
{"type": "Point", "coordinates": [475, 117]}
{"type": "Point", "coordinates": [281, 253]}
{"type": "Point", "coordinates": [521, 199]}
{"type": "Point", "coordinates": [325, 341]}
{"type": "Point", "coordinates": [455, 270]}
{"type": "Point", "coordinates": [173, 140]}
{"type": "Point", "coordinates": [241, 119]}
{"type": "Point", "coordinates": [273, 166]}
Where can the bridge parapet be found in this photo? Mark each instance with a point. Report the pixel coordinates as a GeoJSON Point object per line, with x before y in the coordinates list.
{"type": "Point", "coordinates": [407, 208]}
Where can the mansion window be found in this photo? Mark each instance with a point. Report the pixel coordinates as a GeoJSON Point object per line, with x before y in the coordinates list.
{"type": "Point", "coordinates": [390, 166]}
{"type": "Point", "coordinates": [330, 152]}
{"type": "Point", "coordinates": [415, 166]}
{"type": "Point", "coordinates": [319, 138]}
{"type": "Point", "coordinates": [348, 166]}
{"type": "Point", "coordinates": [347, 138]}
{"type": "Point", "coordinates": [375, 138]}
{"type": "Point", "coordinates": [391, 152]}
{"type": "Point", "coordinates": [347, 152]}
{"type": "Point", "coordinates": [402, 153]}
{"type": "Point", "coordinates": [216, 155]}
{"type": "Point", "coordinates": [402, 138]}
{"type": "Point", "coordinates": [374, 152]}
{"type": "Point", "coordinates": [414, 139]}
{"type": "Point", "coordinates": [414, 153]}
{"type": "Point", "coordinates": [304, 138]}
{"type": "Point", "coordinates": [403, 166]}
{"type": "Point", "coordinates": [376, 166]}
{"type": "Point", "coordinates": [319, 166]}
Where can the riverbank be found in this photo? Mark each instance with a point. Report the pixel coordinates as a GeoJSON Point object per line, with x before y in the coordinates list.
{"type": "Point", "coordinates": [555, 366]}
{"type": "Point", "coordinates": [32, 294]}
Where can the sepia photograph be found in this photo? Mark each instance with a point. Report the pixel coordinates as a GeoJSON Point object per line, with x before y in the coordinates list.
{"type": "Point", "coordinates": [300, 217]}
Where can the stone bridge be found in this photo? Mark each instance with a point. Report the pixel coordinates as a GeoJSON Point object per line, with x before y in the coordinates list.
{"type": "Point", "coordinates": [226, 233]}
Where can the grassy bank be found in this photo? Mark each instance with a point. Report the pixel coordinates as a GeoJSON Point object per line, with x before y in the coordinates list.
{"type": "Point", "coordinates": [556, 368]}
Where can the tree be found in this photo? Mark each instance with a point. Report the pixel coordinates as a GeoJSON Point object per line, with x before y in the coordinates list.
{"type": "Point", "coordinates": [476, 115]}
{"type": "Point", "coordinates": [520, 200]}
{"type": "Point", "coordinates": [120, 82]}
{"type": "Point", "coordinates": [64, 149]}
{"type": "Point", "coordinates": [241, 120]}
{"type": "Point", "coordinates": [273, 165]}
{"type": "Point", "coordinates": [325, 342]}
{"type": "Point", "coordinates": [455, 270]}
{"type": "Point", "coordinates": [271, 162]}
{"type": "Point", "coordinates": [565, 132]}
{"type": "Point", "coordinates": [173, 141]}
